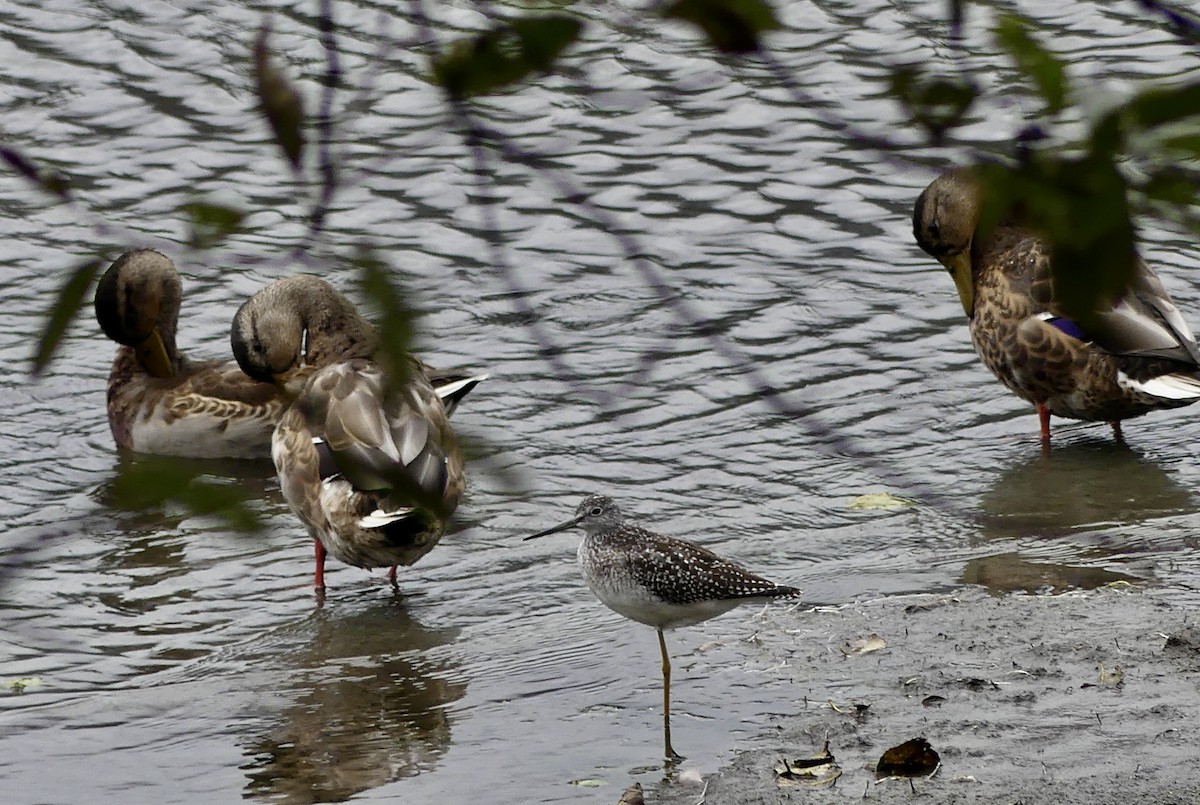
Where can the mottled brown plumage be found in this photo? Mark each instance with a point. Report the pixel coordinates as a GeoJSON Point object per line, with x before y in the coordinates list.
{"type": "Point", "coordinates": [160, 401]}
{"type": "Point", "coordinates": [1137, 356]}
{"type": "Point", "coordinates": [370, 467]}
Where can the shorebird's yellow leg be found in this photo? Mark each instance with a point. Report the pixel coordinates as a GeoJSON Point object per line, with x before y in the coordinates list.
{"type": "Point", "coordinates": [671, 754]}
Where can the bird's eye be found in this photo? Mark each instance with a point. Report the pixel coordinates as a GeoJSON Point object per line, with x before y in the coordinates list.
{"type": "Point", "coordinates": [596, 511]}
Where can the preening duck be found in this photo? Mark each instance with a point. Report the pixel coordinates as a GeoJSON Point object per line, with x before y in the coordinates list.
{"type": "Point", "coordinates": [371, 467]}
{"type": "Point", "coordinates": [159, 401]}
{"type": "Point", "coordinates": [1137, 355]}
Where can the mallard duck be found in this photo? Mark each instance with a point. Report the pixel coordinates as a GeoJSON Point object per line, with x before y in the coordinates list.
{"type": "Point", "coordinates": [160, 401]}
{"type": "Point", "coordinates": [370, 467]}
{"type": "Point", "coordinates": [1138, 354]}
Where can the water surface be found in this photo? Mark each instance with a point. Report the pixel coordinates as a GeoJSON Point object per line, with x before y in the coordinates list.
{"type": "Point", "coordinates": [180, 662]}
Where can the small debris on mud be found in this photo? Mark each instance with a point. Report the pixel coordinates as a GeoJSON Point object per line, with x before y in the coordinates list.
{"type": "Point", "coordinates": [863, 645]}
{"type": "Point", "coordinates": [632, 796]}
{"type": "Point", "coordinates": [819, 771]}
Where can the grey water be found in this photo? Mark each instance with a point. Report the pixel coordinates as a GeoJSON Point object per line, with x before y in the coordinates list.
{"type": "Point", "coordinates": [168, 659]}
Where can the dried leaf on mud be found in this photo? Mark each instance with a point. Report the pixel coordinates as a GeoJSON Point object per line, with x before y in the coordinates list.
{"type": "Point", "coordinates": [914, 758]}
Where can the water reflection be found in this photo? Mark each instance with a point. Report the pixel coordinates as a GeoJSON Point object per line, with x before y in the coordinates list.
{"type": "Point", "coordinates": [1009, 573]}
{"type": "Point", "coordinates": [1082, 485]}
{"type": "Point", "coordinates": [369, 707]}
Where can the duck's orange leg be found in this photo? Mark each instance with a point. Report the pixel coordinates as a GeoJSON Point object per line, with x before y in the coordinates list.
{"type": "Point", "coordinates": [392, 577]}
{"type": "Point", "coordinates": [1116, 426]}
{"type": "Point", "coordinates": [319, 573]}
{"type": "Point", "coordinates": [1044, 417]}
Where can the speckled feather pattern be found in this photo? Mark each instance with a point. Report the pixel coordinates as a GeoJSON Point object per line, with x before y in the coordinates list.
{"type": "Point", "coordinates": [1036, 360]}
{"type": "Point", "coordinates": [657, 580]}
{"type": "Point", "coordinates": [1138, 355]}
{"type": "Point", "coordinates": [375, 432]}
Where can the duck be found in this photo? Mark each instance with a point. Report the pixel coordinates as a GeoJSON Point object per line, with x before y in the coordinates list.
{"type": "Point", "coordinates": [160, 401]}
{"type": "Point", "coordinates": [368, 462]}
{"type": "Point", "coordinates": [1136, 355]}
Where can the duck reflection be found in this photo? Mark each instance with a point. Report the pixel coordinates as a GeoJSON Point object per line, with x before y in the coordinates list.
{"type": "Point", "coordinates": [1079, 486]}
{"type": "Point", "coordinates": [1009, 573]}
{"type": "Point", "coordinates": [150, 546]}
{"type": "Point", "coordinates": [368, 708]}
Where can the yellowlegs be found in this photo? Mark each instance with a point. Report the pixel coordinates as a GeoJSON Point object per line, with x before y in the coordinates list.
{"type": "Point", "coordinates": [660, 581]}
{"type": "Point", "coordinates": [371, 467]}
{"type": "Point", "coordinates": [159, 401]}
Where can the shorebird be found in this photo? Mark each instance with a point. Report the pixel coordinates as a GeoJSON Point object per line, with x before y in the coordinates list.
{"type": "Point", "coordinates": [657, 580]}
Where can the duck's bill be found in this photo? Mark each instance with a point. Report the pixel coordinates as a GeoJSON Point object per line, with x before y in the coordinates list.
{"type": "Point", "coordinates": [959, 266]}
{"type": "Point", "coordinates": [153, 355]}
{"type": "Point", "coordinates": [560, 527]}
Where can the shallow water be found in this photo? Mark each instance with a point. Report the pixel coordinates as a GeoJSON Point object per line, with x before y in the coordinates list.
{"type": "Point", "coordinates": [179, 662]}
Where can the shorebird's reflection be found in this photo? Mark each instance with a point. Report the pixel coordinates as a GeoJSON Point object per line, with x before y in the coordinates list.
{"type": "Point", "coordinates": [1079, 486]}
{"type": "Point", "coordinates": [368, 707]}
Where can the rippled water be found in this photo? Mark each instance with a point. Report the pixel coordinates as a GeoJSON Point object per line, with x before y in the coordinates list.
{"type": "Point", "coordinates": [179, 662]}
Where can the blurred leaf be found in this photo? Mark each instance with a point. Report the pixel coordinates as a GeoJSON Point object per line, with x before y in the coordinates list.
{"type": "Point", "coordinates": [1157, 106]}
{"type": "Point", "coordinates": [935, 104]}
{"type": "Point", "coordinates": [1039, 64]}
{"type": "Point", "coordinates": [71, 297]}
{"type": "Point", "coordinates": [396, 321]}
{"type": "Point", "coordinates": [211, 223]}
{"type": "Point", "coordinates": [1184, 145]}
{"type": "Point", "coordinates": [1080, 205]}
{"type": "Point", "coordinates": [505, 55]}
{"type": "Point", "coordinates": [1172, 186]}
{"type": "Point", "coordinates": [731, 26]}
{"type": "Point", "coordinates": [279, 101]}
{"type": "Point", "coordinates": [52, 181]}
{"type": "Point", "coordinates": [151, 481]}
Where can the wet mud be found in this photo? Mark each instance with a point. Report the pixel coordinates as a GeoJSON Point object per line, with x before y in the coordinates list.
{"type": "Point", "coordinates": [1083, 697]}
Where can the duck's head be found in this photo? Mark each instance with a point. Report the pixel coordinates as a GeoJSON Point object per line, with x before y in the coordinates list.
{"type": "Point", "coordinates": [945, 219]}
{"type": "Point", "coordinates": [291, 327]}
{"type": "Point", "coordinates": [137, 304]}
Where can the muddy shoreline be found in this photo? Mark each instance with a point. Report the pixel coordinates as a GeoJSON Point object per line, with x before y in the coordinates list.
{"type": "Point", "coordinates": [1083, 697]}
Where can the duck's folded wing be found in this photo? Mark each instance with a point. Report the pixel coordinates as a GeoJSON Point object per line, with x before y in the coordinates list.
{"type": "Point", "coordinates": [1144, 323]}
{"type": "Point", "coordinates": [382, 442]}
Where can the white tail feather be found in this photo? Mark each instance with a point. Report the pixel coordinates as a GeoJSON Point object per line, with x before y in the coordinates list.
{"type": "Point", "coordinates": [1168, 387]}
{"type": "Point", "coordinates": [380, 518]}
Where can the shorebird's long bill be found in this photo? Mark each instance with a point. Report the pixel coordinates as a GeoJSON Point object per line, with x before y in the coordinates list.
{"type": "Point", "coordinates": [561, 527]}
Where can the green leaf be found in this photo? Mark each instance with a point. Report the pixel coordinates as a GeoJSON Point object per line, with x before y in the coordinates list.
{"type": "Point", "coordinates": [51, 181]}
{"type": "Point", "coordinates": [396, 321]}
{"type": "Point", "coordinates": [1036, 62]}
{"type": "Point", "coordinates": [71, 297]}
{"type": "Point", "coordinates": [151, 481]}
{"type": "Point", "coordinates": [731, 26]}
{"type": "Point", "coordinates": [211, 223]}
{"type": "Point", "coordinates": [1080, 205]}
{"type": "Point", "coordinates": [934, 104]}
{"type": "Point", "coordinates": [504, 55]}
{"type": "Point", "coordinates": [1172, 186]}
{"type": "Point", "coordinates": [1157, 106]}
{"type": "Point", "coordinates": [279, 101]}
